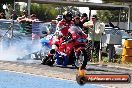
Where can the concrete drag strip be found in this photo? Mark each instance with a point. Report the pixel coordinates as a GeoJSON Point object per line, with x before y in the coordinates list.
{"type": "Point", "coordinates": [56, 72]}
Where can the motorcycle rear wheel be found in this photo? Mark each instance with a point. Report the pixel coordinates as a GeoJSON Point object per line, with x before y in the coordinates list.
{"type": "Point", "coordinates": [48, 61]}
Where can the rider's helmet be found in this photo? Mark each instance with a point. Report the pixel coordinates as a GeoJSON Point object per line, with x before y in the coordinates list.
{"type": "Point", "coordinates": [67, 14]}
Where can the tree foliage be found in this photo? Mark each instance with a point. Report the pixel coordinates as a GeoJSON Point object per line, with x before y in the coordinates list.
{"type": "Point", "coordinates": [1, 9]}
{"type": "Point", "coordinates": [112, 15]}
{"type": "Point", "coordinates": [108, 15]}
{"type": "Point", "coordinates": [47, 12]}
{"type": "Point", "coordinates": [44, 12]}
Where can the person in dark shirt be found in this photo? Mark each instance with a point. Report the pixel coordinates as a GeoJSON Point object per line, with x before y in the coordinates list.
{"type": "Point", "coordinates": [77, 22]}
{"type": "Point", "coordinates": [14, 15]}
{"type": "Point", "coordinates": [84, 18]}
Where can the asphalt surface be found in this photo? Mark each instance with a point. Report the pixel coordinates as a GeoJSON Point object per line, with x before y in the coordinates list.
{"type": "Point", "coordinates": [69, 73]}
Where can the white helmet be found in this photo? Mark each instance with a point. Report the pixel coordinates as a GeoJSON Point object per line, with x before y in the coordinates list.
{"type": "Point", "coordinates": [59, 17]}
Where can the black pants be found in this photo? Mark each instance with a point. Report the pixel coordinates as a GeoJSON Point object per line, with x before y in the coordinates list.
{"type": "Point", "coordinates": [94, 49]}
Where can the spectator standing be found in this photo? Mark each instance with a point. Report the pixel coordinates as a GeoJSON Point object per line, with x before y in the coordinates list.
{"type": "Point", "coordinates": [14, 15]}
{"type": "Point", "coordinates": [84, 18]}
{"type": "Point", "coordinates": [95, 30]}
{"type": "Point", "coordinates": [77, 22]}
{"type": "Point", "coordinates": [32, 18]}
{"type": "Point", "coordinates": [23, 17]}
{"type": "Point", "coordinates": [25, 14]}
{"type": "Point", "coordinates": [52, 27]}
{"type": "Point", "coordinates": [29, 21]}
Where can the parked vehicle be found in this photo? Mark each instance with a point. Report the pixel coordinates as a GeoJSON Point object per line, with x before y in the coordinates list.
{"type": "Point", "coordinates": [119, 48]}
{"type": "Point", "coordinates": [116, 31]}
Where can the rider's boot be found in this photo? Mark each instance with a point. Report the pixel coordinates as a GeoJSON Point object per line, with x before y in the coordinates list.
{"type": "Point", "coordinates": [81, 71]}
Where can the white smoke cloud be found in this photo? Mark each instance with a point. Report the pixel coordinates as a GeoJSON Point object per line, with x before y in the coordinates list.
{"type": "Point", "coordinates": [17, 49]}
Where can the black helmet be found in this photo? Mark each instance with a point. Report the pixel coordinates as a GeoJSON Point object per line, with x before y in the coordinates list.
{"type": "Point", "coordinates": [84, 15]}
{"type": "Point", "coordinates": [67, 14]}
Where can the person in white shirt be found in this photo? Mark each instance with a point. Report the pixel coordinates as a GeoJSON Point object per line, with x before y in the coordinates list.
{"type": "Point", "coordinates": [95, 30]}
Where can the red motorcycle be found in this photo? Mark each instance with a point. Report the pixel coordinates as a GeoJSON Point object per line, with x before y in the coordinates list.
{"type": "Point", "coordinates": [71, 46]}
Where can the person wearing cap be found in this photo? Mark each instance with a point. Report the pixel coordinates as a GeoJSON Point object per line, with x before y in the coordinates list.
{"type": "Point", "coordinates": [95, 29]}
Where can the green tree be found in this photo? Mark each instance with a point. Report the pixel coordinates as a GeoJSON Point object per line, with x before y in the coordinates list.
{"type": "Point", "coordinates": [1, 9]}
{"type": "Point", "coordinates": [45, 12]}
{"type": "Point", "coordinates": [112, 15]}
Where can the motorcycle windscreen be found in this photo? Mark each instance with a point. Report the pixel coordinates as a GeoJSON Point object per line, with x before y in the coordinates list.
{"type": "Point", "coordinates": [75, 29]}
{"type": "Point", "coordinates": [76, 32]}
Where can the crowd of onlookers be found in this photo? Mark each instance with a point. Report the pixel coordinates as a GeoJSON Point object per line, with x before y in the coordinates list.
{"type": "Point", "coordinates": [23, 17]}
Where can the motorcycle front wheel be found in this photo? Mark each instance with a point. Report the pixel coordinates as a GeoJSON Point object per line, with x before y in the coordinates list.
{"type": "Point", "coordinates": [81, 80]}
{"type": "Point", "coordinates": [81, 59]}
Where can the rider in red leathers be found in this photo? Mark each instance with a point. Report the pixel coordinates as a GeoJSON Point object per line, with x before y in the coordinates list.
{"type": "Point", "coordinates": [65, 23]}
{"type": "Point", "coordinates": [63, 27]}
{"type": "Point", "coordinates": [64, 42]}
